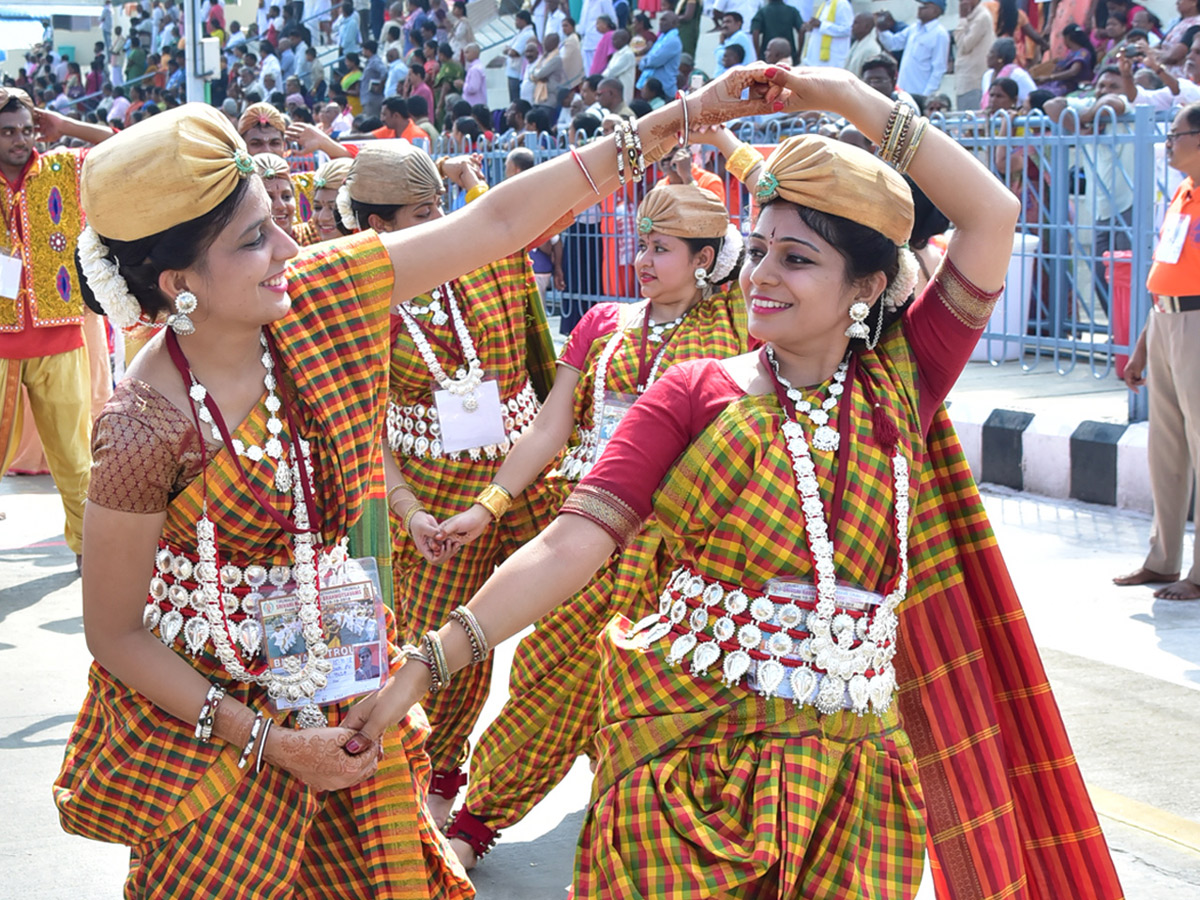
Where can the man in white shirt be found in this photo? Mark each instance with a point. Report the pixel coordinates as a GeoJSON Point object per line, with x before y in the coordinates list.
{"type": "Point", "coordinates": [590, 12]}
{"type": "Point", "coordinates": [514, 64]}
{"type": "Point", "coordinates": [622, 65]}
{"type": "Point", "coordinates": [744, 8]}
{"type": "Point", "coordinates": [1176, 92]}
{"type": "Point", "coordinates": [925, 46]}
{"type": "Point", "coordinates": [547, 18]}
{"type": "Point", "coordinates": [828, 25]}
{"type": "Point", "coordinates": [732, 32]}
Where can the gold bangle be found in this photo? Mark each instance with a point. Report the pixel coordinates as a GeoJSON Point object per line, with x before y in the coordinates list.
{"type": "Point", "coordinates": [495, 499]}
{"type": "Point", "coordinates": [742, 161]}
{"type": "Point", "coordinates": [406, 526]}
{"type": "Point", "coordinates": [911, 150]}
{"type": "Point", "coordinates": [897, 125]}
{"type": "Point", "coordinates": [399, 487]}
{"type": "Point", "coordinates": [477, 191]}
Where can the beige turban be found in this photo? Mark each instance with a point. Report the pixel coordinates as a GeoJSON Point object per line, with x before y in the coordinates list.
{"type": "Point", "coordinates": [393, 173]}
{"type": "Point", "coordinates": [330, 176]}
{"type": "Point", "coordinates": [188, 159]}
{"type": "Point", "coordinates": [271, 165]}
{"type": "Point", "coordinates": [261, 114]}
{"type": "Point", "coordinates": [837, 178]}
{"type": "Point", "coordinates": [684, 211]}
{"type": "Point", "coordinates": [15, 93]}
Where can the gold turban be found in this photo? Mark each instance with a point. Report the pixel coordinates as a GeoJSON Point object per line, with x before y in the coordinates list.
{"type": "Point", "coordinates": [261, 114]}
{"type": "Point", "coordinates": [330, 176]}
{"type": "Point", "coordinates": [837, 178]}
{"type": "Point", "coordinates": [188, 159]}
{"type": "Point", "coordinates": [393, 173]}
{"type": "Point", "coordinates": [15, 93]}
{"type": "Point", "coordinates": [684, 211]}
{"type": "Point", "coordinates": [271, 165]}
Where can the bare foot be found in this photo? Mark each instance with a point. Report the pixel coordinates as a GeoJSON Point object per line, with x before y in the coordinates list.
{"type": "Point", "coordinates": [440, 808]}
{"type": "Point", "coordinates": [465, 854]}
{"type": "Point", "coordinates": [1144, 576]}
{"type": "Point", "coordinates": [1180, 590]}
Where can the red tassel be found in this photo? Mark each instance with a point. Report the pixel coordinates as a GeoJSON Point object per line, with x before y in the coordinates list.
{"type": "Point", "coordinates": [887, 435]}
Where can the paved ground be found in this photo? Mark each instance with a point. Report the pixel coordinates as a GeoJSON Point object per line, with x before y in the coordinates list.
{"type": "Point", "coordinates": [1126, 669]}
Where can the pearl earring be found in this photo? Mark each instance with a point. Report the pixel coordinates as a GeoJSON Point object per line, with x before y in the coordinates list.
{"type": "Point", "coordinates": [185, 304]}
{"type": "Point", "coordinates": [858, 314]}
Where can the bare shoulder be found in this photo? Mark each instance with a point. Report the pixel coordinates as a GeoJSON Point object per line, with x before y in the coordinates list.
{"type": "Point", "coordinates": [747, 373]}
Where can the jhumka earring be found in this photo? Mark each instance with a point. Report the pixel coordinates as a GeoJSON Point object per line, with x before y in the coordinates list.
{"type": "Point", "coordinates": [858, 313]}
{"type": "Point", "coordinates": [185, 304]}
{"type": "Point", "coordinates": [701, 277]}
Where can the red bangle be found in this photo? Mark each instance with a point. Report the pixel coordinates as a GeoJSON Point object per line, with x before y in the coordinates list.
{"type": "Point", "coordinates": [582, 168]}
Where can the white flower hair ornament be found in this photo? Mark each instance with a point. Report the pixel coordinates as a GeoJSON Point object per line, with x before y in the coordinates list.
{"type": "Point", "coordinates": [727, 257]}
{"type": "Point", "coordinates": [345, 210]}
{"type": "Point", "coordinates": [106, 282]}
{"type": "Point", "coordinates": [902, 285]}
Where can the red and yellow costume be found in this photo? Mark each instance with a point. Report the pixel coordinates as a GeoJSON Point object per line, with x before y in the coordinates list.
{"type": "Point", "coordinates": [711, 789]}
{"type": "Point", "coordinates": [502, 311]}
{"type": "Point", "coordinates": [133, 774]}
{"type": "Point", "coordinates": [551, 713]}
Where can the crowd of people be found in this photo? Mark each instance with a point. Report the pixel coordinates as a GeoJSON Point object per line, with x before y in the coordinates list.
{"type": "Point", "coordinates": [735, 507]}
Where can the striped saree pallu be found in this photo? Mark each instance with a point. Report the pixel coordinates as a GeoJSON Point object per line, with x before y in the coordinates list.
{"type": "Point", "coordinates": [502, 310]}
{"type": "Point", "coordinates": [134, 774]}
{"type": "Point", "coordinates": [710, 791]}
{"type": "Point", "coordinates": [551, 712]}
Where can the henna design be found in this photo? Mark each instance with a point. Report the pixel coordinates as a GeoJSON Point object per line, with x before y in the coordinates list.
{"type": "Point", "coordinates": [320, 754]}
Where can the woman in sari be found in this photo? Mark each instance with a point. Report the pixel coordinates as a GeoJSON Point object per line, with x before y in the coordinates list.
{"type": "Point", "coordinates": [489, 319]}
{"type": "Point", "coordinates": [687, 252]}
{"type": "Point", "coordinates": [821, 548]}
{"type": "Point", "coordinates": [238, 456]}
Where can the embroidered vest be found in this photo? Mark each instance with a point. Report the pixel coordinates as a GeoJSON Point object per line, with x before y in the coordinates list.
{"type": "Point", "coordinates": [50, 217]}
{"type": "Point", "coordinates": [303, 187]}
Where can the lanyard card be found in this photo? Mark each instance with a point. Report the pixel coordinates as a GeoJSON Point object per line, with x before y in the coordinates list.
{"type": "Point", "coordinates": [789, 590]}
{"type": "Point", "coordinates": [1176, 227]}
{"type": "Point", "coordinates": [10, 276]}
{"type": "Point", "coordinates": [613, 411]}
{"type": "Point", "coordinates": [466, 429]}
{"type": "Point", "coordinates": [353, 625]}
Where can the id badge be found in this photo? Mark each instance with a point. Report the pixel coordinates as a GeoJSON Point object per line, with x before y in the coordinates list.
{"type": "Point", "coordinates": [1176, 227]}
{"type": "Point", "coordinates": [353, 625]}
{"type": "Point", "coordinates": [10, 276]}
{"type": "Point", "coordinates": [787, 590]}
{"type": "Point", "coordinates": [613, 411]}
{"type": "Point", "coordinates": [466, 429]}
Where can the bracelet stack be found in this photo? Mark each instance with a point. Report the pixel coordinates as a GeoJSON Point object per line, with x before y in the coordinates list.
{"type": "Point", "coordinates": [400, 487]}
{"type": "Point", "coordinates": [495, 499]}
{"type": "Point", "coordinates": [742, 162]}
{"type": "Point", "coordinates": [480, 647]}
{"type": "Point", "coordinates": [902, 136]}
{"type": "Point", "coordinates": [439, 669]}
{"type": "Point", "coordinates": [629, 149]}
{"type": "Point", "coordinates": [406, 524]}
{"type": "Point", "coordinates": [255, 730]}
{"type": "Point", "coordinates": [208, 712]}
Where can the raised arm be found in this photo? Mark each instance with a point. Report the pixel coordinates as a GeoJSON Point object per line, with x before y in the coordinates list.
{"type": "Point", "coordinates": [427, 255]}
{"type": "Point", "coordinates": [983, 211]}
{"type": "Point", "coordinates": [53, 126]}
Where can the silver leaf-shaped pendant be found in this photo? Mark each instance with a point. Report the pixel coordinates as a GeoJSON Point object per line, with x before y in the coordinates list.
{"type": "Point", "coordinates": [151, 616]}
{"type": "Point", "coordinates": [770, 676]}
{"type": "Point", "coordinates": [195, 634]}
{"type": "Point", "coordinates": [642, 624]}
{"type": "Point", "coordinates": [831, 697]}
{"type": "Point", "coordinates": [706, 654]}
{"type": "Point", "coordinates": [860, 694]}
{"type": "Point", "coordinates": [681, 647]}
{"type": "Point", "coordinates": [804, 682]}
{"type": "Point", "coordinates": [656, 633]}
{"type": "Point", "coordinates": [736, 665]}
{"type": "Point", "coordinates": [169, 626]}
{"type": "Point", "coordinates": [250, 637]}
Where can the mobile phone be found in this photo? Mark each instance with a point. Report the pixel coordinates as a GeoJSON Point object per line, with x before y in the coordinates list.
{"type": "Point", "coordinates": [697, 81]}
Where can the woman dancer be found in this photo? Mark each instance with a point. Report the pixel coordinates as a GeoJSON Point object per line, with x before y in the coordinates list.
{"type": "Point", "coordinates": [178, 697]}
{"type": "Point", "coordinates": [326, 181]}
{"type": "Point", "coordinates": [277, 179]}
{"type": "Point", "coordinates": [687, 251]}
{"type": "Point", "coordinates": [827, 545]}
{"type": "Point", "coordinates": [487, 324]}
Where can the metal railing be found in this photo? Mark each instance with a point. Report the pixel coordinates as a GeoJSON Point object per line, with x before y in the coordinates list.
{"type": "Point", "coordinates": [1076, 293]}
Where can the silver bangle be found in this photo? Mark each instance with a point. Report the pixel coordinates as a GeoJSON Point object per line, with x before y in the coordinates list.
{"type": "Point", "coordinates": [208, 712]}
{"type": "Point", "coordinates": [480, 647]}
{"type": "Point", "coordinates": [262, 745]}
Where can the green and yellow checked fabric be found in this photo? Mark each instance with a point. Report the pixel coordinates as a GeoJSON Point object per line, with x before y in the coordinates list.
{"type": "Point", "coordinates": [133, 774]}
{"type": "Point", "coordinates": [501, 308]}
{"type": "Point", "coordinates": [551, 712]}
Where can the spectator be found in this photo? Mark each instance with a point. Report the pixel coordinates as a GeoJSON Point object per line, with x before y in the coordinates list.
{"type": "Point", "coordinates": [623, 65]}
{"type": "Point", "coordinates": [745, 10]}
{"type": "Point", "coordinates": [398, 123]}
{"type": "Point", "coordinates": [690, 15]}
{"type": "Point", "coordinates": [116, 58]}
{"type": "Point", "coordinates": [611, 94]}
{"type": "Point", "coordinates": [450, 78]}
{"type": "Point", "coordinates": [41, 330]}
{"type": "Point", "coordinates": [515, 67]}
{"type": "Point", "coordinates": [106, 24]}
{"type": "Point", "coordinates": [828, 33]}
{"type": "Point", "coordinates": [475, 80]}
{"type": "Point", "coordinates": [1175, 91]}
{"type": "Point", "coordinates": [880, 73]}
{"type": "Point", "coordinates": [1165, 358]}
{"type": "Point", "coordinates": [735, 55]}
{"type": "Point", "coordinates": [418, 109]}
{"type": "Point", "coordinates": [461, 33]}
{"type": "Point", "coordinates": [938, 103]}
{"type": "Point", "coordinates": [531, 58]}
{"type": "Point", "coordinates": [864, 44]}
{"type": "Point", "coordinates": [1001, 61]}
{"type": "Point", "coordinates": [1175, 45]}
{"type": "Point", "coordinates": [416, 86]}
{"type": "Point", "coordinates": [687, 69]}
{"type": "Point", "coordinates": [374, 78]}
{"type": "Point", "coordinates": [679, 167]}
{"type": "Point", "coordinates": [925, 46]}
{"type": "Point", "coordinates": [135, 62]}
{"type": "Point", "coordinates": [731, 33]}
{"type": "Point", "coordinates": [571, 50]}
{"type": "Point", "coordinates": [653, 93]}
{"type": "Point", "coordinates": [466, 132]}
{"type": "Point", "coordinates": [589, 14]}
{"type": "Point", "coordinates": [973, 39]}
{"type": "Point", "coordinates": [1011, 21]}
{"type": "Point", "coordinates": [1002, 96]}
{"type": "Point", "coordinates": [349, 36]}
{"type": "Point", "coordinates": [583, 127]}
{"type": "Point", "coordinates": [548, 16]}
{"type": "Point", "coordinates": [1074, 68]}
{"type": "Point", "coordinates": [120, 106]}
{"type": "Point", "coordinates": [547, 73]}
{"type": "Point", "coordinates": [662, 60]}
